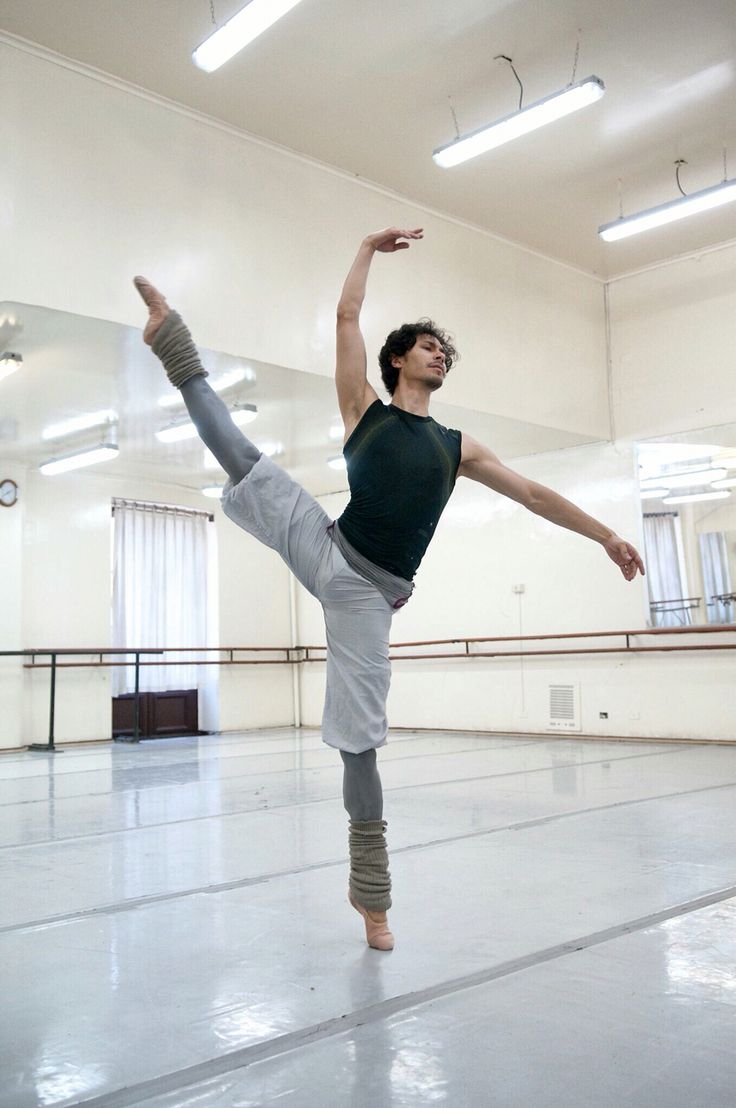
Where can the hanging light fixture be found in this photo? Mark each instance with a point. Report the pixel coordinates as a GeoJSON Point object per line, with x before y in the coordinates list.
{"type": "Point", "coordinates": [577, 95]}
{"type": "Point", "coordinates": [90, 456]}
{"type": "Point", "coordinates": [686, 205]}
{"type": "Point", "coordinates": [79, 423]}
{"type": "Point", "coordinates": [241, 414]}
{"type": "Point", "coordinates": [242, 28]}
{"type": "Point", "coordinates": [695, 497]}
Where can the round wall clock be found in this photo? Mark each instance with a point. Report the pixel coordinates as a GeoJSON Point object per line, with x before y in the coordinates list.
{"type": "Point", "coordinates": [8, 492]}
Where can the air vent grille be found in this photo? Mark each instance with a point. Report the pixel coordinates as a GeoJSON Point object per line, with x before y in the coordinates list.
{"type": "Point", "coordinates": [564, 707]}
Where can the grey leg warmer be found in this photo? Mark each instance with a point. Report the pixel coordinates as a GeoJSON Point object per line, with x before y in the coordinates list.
{"type": "Point", "coordinates": [174, 346]}
{"type": "Point", "coordinates": [370, 879]}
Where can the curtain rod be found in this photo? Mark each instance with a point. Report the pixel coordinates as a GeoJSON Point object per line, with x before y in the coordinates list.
{"type": "Point", "coordinates": [153, 506]}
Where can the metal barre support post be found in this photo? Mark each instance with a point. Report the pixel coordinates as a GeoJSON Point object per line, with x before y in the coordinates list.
{"type": "Point", "coordinates": [49, 748]}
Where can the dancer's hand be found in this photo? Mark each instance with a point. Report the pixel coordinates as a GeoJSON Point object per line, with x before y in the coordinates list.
{"type": "Point", "coordinates": [387, 242]}
{"type": "Point", "coordinates": [158, 309]}
{"type": "Point", "coordinates": [625, 556]}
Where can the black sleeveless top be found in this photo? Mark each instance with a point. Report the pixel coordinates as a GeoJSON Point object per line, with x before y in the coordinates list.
{"type": "Point", "coordinates": [401, 471]}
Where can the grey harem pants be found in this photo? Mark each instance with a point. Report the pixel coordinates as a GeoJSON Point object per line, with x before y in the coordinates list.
{"type": "Point", "coordinates": [271, 506]}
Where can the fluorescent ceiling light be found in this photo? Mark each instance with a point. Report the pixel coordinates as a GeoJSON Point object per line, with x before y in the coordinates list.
{"type": "Point", "coordinates": [244, 413]}
{"type": "Point", "coordinates": [80, 458]}
{"type": "Point", "coordinates": [245, 25]}
{"type": "Point", "coordinates": [684, 480]}
{"type": "Point", "coordinates": [270, 449]}
{"type": "Point", "coordinates": [519, 123]}
{"type": "Point", "coordinates": [337, 431]}
{"type": "Point", "coordinates": [218, 384]}
{"type": "Point", "coordinates": [692, 497]}
{"type": "Point", "coordinates": [213, 491]}
{"type": "Point", "coordinates": [729, 483]}
{"type": "Point", "coordinates": [337, 462]}
{"type": "Point", "coordinates": [178, 432]}
{"type": "Point", "coordinates": [653, 494]}
{"type": "Point", "coordinates": [9, 363]}
{"type": "Point", "coordinates": [667, 213]}
{"type": "Point", "coordinates": [79, 423]}
{"type": "Point", "coordinates": [665, 453]}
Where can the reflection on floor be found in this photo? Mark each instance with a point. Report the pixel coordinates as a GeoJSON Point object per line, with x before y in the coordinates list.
{"type": "Point", "coordinates": [175, 932]}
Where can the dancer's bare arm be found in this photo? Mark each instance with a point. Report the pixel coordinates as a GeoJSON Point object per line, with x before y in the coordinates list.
{"type": "Point", "coordinates": [354, 393]}
{"type": "Point", "coordinates": [481, 464]}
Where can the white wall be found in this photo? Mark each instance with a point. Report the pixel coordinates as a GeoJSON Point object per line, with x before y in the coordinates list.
{"type": "Point", "coordinates": [673, 344]}
{"type": "Point", "coordinates": [254, 244]}
{"type": "Point", "coordinates": [483, 546]}
{"type": "Point", "coordinates": [11, 631]}
{"type": "Point", "coordinates": [61, 561]}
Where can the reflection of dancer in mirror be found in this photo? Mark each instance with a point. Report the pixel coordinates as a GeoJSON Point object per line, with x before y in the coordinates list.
{"type": "Point", "coordinates": [402, 468]}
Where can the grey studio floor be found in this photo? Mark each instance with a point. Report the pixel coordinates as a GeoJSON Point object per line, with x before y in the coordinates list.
{"type": "Point", "coordinates": [174, 928]}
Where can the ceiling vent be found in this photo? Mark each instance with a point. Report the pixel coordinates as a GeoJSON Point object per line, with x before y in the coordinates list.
{"type": "Point", "coordinates": [564, 708]}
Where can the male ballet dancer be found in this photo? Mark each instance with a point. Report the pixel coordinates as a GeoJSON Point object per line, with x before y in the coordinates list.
{"type": "Point", "coordinates": [402, 468]}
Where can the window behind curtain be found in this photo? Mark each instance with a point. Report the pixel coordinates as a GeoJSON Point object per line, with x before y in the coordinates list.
{"type": "Point", "coordinates": [716, 575]}
{"type": "Point", "coordinates": [664, 570]}
{"type": "Point", "coordinates": [160, 560]}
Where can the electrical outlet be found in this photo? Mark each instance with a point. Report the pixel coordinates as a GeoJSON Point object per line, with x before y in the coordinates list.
{"type": "Point", "coordinates": [518, 588]}
{"type": "Point", "coordinates": [603, 715]}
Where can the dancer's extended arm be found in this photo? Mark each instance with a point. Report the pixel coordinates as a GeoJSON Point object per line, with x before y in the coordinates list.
{"type": "Point", "coordinates": [481, 464]}
{"type": "Point", "coordinates": [354, 393]}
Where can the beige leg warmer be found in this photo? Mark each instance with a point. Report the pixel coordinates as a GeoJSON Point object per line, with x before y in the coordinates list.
{"type": "Point", "coordinates": [370, 879]}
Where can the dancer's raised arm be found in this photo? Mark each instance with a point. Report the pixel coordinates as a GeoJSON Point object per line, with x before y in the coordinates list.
{"type": "Point", "coordinates": [354, 393]}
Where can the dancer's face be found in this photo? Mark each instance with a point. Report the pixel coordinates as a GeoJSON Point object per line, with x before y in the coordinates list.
{"type": "Point", "coordinates": [424, 363]}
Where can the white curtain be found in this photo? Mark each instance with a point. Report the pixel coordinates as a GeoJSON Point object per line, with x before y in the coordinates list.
{"type": "Point", "coordinates": [664, 578]}
{"type": "Point", "coordinates": [161, 593]}
{"type": "Point", "coordinates": [716, 575]}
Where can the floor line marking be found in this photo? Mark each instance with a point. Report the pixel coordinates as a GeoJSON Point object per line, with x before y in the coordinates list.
{"type": "Point", "coordinates": [317, 800]}
{"type": "Point", "coordinates": [326, 1029]}
{"type": "Point", "coordinates": [260, 879]}
{"type": "Point", "coordinates": [143, 788]}
{"type": "Point", "coordinates": [664, 748]}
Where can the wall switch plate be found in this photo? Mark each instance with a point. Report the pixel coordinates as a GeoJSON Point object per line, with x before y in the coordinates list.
{"type": "Point", "coordinates": [518, 588]}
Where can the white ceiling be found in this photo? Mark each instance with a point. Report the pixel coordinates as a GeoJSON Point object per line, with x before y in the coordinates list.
{"type": "Point", "coordinates": [73, 365]}
{"type": "Point", "coordinates": [364, 84]}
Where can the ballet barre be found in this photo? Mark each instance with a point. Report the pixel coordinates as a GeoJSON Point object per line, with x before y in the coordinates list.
{"type": "Point", "coordinates": [465, 648]}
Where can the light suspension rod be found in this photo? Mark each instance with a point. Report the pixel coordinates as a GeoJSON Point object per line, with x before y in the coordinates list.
{"type": "Point", "coordinates": [245, 25]}
{"type": "Point", "coordinates": [519, 123]}
{"type": "Point", "coordinates": [667, 213]}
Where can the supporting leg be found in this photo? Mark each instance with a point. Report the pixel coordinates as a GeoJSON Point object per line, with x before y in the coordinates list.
{"type": "Point", "coordinates": [361, 786]}
{"type": "Point", "coordinates": [370, 879]}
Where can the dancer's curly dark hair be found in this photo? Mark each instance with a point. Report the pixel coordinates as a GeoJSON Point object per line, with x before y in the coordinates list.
{"type": "Point", "coordinates": [399, 342]}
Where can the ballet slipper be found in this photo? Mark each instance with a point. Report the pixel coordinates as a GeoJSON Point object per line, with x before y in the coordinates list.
{"type": "Point", "coordinates": [158, 309]}
{"type": "Point", "coordinates": [377, 933]}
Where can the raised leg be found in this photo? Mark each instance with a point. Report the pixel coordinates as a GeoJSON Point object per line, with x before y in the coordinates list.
{"type": "Point", "coordinates": [169, 338]}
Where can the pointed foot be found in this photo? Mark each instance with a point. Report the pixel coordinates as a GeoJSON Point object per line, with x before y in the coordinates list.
{"type": "Point", "coordinates": [158, 309]}
{"type": "Point", "coordinates": [377, 933]}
